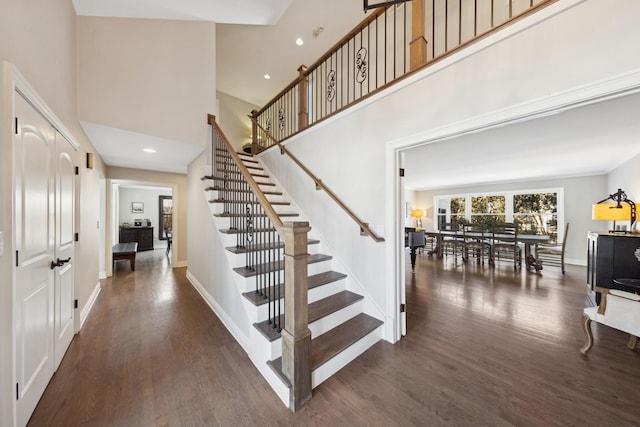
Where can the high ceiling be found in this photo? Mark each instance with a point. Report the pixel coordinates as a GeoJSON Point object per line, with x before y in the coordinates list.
{"type": "Point", "coordinates": [256, 12]}
{"type": "Point", "coordinates": [257, 37]}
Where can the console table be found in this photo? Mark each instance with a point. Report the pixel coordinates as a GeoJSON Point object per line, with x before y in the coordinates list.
{"type": "Point", "coordinates": [612, 256]}
{"type": "Point", "coordinates": [142, 235]}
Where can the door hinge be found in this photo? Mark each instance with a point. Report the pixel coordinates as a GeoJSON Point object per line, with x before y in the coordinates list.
{"type": "Point", "coordinates": [403, 308]}
{"type": "Point", "coordinates": [401, 172]}
{"type": "Point", "coordinates": [75, 303]}
{"type": "Point", "coordinates": [17, 391]}
{"type": "Point", "coordinates": [77, 237]}
{"type": "Point", "coordinates": [77, 170]}
{"type": "Point", "coordinates": [16, 125]}
{"type": "Point", "coordinates": [17, 258]}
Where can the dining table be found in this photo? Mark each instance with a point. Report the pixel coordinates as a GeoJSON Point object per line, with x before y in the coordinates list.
{"type": "Point", "coordinates": [528, 240]}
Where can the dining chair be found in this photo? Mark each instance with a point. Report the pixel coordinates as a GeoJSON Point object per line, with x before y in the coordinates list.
{"type": "Point", "coordinates": [169, 236]}
{"type": "Point", "coordinates": [505, 239]}
{"type": "Point", "coordinates": [474, 237]}
{"type": "Point", "coordinates": [553, 254]}
{"type": "Point", "coordinates": [452, 241]}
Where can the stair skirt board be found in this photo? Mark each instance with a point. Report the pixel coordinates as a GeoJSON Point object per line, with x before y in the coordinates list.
{"type": "Point", "coordinates": [281, 388]}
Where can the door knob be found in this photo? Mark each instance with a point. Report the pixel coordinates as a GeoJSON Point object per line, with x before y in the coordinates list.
{"type": "Point", "coordinates": [59, 262]}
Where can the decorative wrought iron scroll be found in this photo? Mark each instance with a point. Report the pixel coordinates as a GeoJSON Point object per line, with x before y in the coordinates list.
{"type": "Point", "coordinates": [361, 65]}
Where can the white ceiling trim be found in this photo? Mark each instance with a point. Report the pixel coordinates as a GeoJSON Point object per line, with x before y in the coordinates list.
{"type": "Point", "coordinates": [254, 12]}
{"type": "Point", "coordinates": [599, 91]}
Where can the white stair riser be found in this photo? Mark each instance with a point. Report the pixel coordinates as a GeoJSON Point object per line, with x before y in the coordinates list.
{"type": "Point", "coordinates": [265, 349]}
{"type": "Point", "coordinates": [260, 313]}
{"type": "Point", "coordinates": [249, 283]}
{"type": "Point", "coordinates": [346, 356]}
{"type": "Point", "coordinates": [329, 322]}
{"type": "Point", "coordinates": [326, 290]}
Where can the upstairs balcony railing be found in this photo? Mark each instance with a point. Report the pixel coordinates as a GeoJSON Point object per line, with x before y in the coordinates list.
{"type": "Point", "coordinates": [387, 46]}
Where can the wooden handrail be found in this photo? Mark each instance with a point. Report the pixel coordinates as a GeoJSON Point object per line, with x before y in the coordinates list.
{"type": "Point", "coordinates": [320, 186]}
{"type": "Point", "coordinates": [268, 209]}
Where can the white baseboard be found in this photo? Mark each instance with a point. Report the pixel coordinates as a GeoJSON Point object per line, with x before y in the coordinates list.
{"type": "Point", "coordinates": [102, 275]}
{"type": "Point", "coordinates": [89, 305]}
{"type": "Point", "coordinates": [242, 339]}
{"type": "Point", "coordinates": [581, 262]}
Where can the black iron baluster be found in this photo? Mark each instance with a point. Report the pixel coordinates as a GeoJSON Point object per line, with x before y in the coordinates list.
{"type": "Point", "coordinates": [277, 255]}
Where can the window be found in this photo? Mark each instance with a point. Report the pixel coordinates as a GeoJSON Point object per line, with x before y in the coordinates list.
{"type": "Point", "coordinates": [450, 209]}
{"type": "Point", "coordinates": [537, 211]}
{"type": "Point", "coordinates": [488, 209]}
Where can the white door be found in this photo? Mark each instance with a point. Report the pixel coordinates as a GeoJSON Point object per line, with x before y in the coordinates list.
{"type": "Point", "coordinates": [63, 248]}
{"type": "Point", "coordinates": [33, 288]}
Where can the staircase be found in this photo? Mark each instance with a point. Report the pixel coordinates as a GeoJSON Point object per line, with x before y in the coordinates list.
{"type": "Point", "coordinates": [340, 328]}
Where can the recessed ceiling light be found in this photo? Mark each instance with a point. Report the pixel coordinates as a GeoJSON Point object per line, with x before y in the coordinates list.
{"type": "Point", "coordinates": [267, 76]}
{"type": "Point", "coordinates": [149, 150]}
{"type": "Point", "coordinates": [299, 41]}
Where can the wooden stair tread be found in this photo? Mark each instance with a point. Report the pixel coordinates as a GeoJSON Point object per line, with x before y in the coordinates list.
{"type": "Point", "coordinates": [253, 164]}
{"type": "Point", "coordinates": [242, 215]}
{"type": "Point", "coordinates": [317, 310]}
{"type": "Point", "coordinates": [244, 202]}
{"type": "Point", "coordinates": [217, 188]}
{"type": "Point", "coordinates": [313, 282]}
{"type": "Point", "coordinates": [278, 265]}
{"type": "Point", "coordinates": [222, 156]}
{"type": "Point", "coordinates": [263, 246]}
{"type": "Point", "coordinates": [237, 171]}
{"type": "Point", "coordinates": [244, 230]}
{"type": "Point", "coordinates": [330, 344]}
{"type": "Point", "coordinates": [218, 178]}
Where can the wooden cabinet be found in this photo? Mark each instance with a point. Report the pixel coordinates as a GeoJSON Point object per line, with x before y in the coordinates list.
{"type": "Point", "coordinates": [142, 235]}
{"type": "Point", "coordinates": [612, 256]}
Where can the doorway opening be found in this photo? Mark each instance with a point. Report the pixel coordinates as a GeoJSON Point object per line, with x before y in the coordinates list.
{"type": "Point", "coordinates": [144, 213]}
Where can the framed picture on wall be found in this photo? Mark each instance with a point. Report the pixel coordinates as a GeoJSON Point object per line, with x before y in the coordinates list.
{"type": "Point", "coordinates": [137, 207]}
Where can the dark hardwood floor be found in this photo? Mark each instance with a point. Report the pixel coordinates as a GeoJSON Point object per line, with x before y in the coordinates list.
{"type": "Point", "coordinates": [484, 348]}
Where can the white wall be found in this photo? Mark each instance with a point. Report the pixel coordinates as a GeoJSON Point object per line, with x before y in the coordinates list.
{"type": "Point", "coordinates": [39, 37]}
{"type": "Point", "coordinates": [150, 76]}
{"type": "Point", "coordinates": [579, 194]}
{"type": "Point", "coordinates": [149, 197]}
{"type": "Point", "coordinates": [208, 264]}
{"type": "Point", "coordinates": [233, 119]}
{"type": "Point", "coordinates": [626, 177]}
{"type": "Point", "coordinates": [505, 75]}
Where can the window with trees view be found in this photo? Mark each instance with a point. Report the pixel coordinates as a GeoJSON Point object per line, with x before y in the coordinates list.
{"type": "Point", "coordinates": [450, 209]}
{"type": "Point", "coordinates": [536, 211]}
{"type": "Point", "coordinates": [488, 209]}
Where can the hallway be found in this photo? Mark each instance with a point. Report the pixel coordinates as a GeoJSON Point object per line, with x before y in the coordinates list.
{"type": "Point", "coordinates": [483, 349]}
